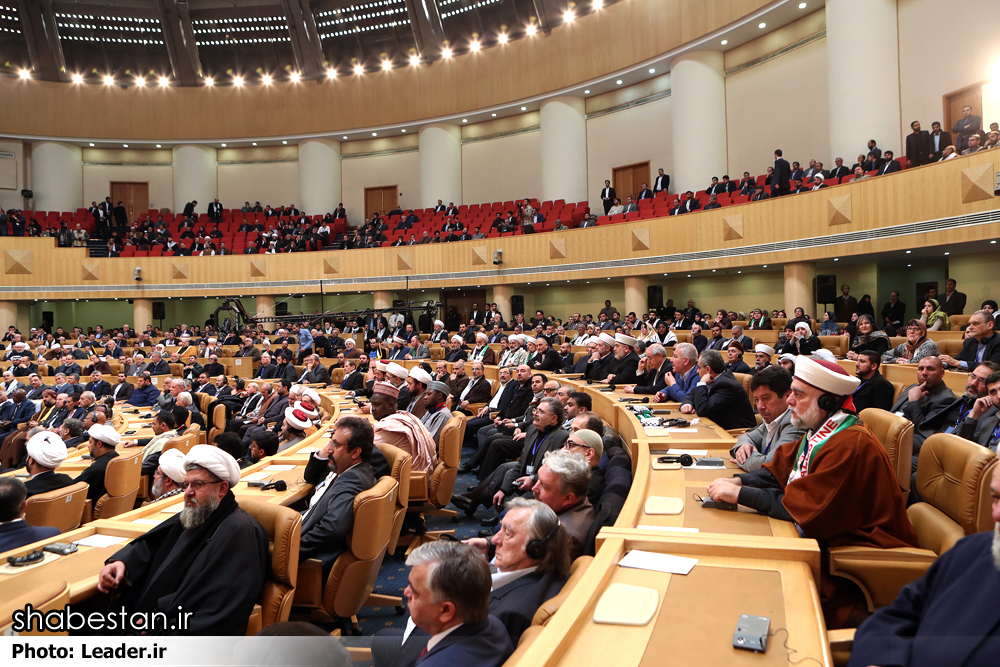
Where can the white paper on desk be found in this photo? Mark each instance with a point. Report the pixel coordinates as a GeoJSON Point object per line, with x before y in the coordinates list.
{"type": "Point", "coordinates": [648, 560]}
{"type": "Point", "coordinates": [256, 477]}
{"type": "Point", "coordinates": [692, 452]}
{"type": "Point", "coordinates": [74, 459]}
{"type": "Point", "coordinates": [671, 529]}
{"type": "Point", "coordinates": [150, 522]}
{"type": "Point", "coordinates": [100, 541]}
{"type": "Point", "coordinates": [655, 431]}
{"type": "Point", "coordinates": [308, 450]}
{"type": "Point", "coordinates": [279, 468]}
{"type": "Point", "coordinates": [173, 509]}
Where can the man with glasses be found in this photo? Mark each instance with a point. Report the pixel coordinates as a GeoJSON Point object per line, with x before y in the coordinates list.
{"type": "Point", "coordinates": [586, 442]}
{"type": "Point", "coordinates": [204, 567]}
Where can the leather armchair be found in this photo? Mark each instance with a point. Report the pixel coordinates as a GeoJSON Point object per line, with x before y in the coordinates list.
{"type": "Point", "coordinates": [549, 608]}
{"type": "Point", "coordinates": [895, 433]}
{"type": "Point", "coordinates": [121, 480]}
{"type": "Point", "coordinates": [216, 421]}
{"type": "Point", "coordinates": [430, 494]}
{"type": "Point", "coordinates": [284, 530]}
{"type": "Point", "coordinates": [953, 477]}
{"type": "Point", "coordinates": [62, 508]}
{"type": "Point", "coordinates": [400, 464]}
{"type": "Point", "coordinates": [836, 344]}
{"type": "Point", "coordinates": [44, 597]}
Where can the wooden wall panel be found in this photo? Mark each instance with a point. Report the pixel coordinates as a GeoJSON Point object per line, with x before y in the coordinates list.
{"type": "Point", "coordinates": [927, 193]}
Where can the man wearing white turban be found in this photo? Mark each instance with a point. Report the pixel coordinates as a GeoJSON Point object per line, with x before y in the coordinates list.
{"type": "Point", "coordinates": [46, 451]}
{"type": "Point", "coordinates": [168, 480]}
{"type": "Point", "coordinates": [202, 568]}
{"type": "Point", "coordinates": [103, 440]}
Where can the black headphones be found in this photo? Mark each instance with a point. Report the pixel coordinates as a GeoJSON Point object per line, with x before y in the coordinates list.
{"type": "Point", "coordinates": [829, 403]}
{"type": "Point", "coordinates": [684, 459]}
{"type": "Point", "coordinates": [535, 549]}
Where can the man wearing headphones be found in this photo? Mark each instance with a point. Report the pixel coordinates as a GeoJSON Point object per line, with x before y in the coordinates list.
{"type": "Point", "coordinates": [529, 560]}
{"type": "Point", "coordinates": [835, 483]}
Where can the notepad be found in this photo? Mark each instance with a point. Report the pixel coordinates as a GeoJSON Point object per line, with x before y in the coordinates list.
{"type": "Point", "coordinates": [623, 604]}
{"type": "Point", "coordinates": [692, 452]}
{"type": "Point", "coordinates": [150, 522]}
{"type": "Point", "coordinates": [664, 505]}
{"type": "Point", "coordinates": [669, 529]}
{"type": "Point", "coordinates": [647, 560]}
{"type": "Point", "coordinates": [279, 468]}
{"type": "Point", "coordinates": [100, 541]}
{"type": "Point", "coordinates": [256, 476]}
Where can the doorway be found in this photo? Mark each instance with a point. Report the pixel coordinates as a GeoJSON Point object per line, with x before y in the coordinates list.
{"type": "Point", "coordinates": [462, 301]}
{"type": "Point", "coordinates": [134, 197]}
{"type": "Point", "coordinates": [380, 199]}
{"type": "Point", "coordinates": [953, 103]}
{"type": "Point", "coordinates": [628, 180]}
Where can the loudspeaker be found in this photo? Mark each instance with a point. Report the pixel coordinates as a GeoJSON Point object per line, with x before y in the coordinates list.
{"type": "Point", "coordinates": [654, 297]}
{"type": "Point", "coordinates": [27, 194]}
{"type": "Point", "coordinates": [516, 305]}
{"type": "Point", "coordinates": [826, 289]}
{"type": "Point", "coordinates": [159, 310]}
{"type": "Point", "coordinates": [398, 303]}
{"type": "Point", "coordinates": [281, 308]}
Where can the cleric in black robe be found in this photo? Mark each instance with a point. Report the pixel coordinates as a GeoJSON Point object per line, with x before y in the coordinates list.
{"type": "Point", "coordinates": [210, 559]}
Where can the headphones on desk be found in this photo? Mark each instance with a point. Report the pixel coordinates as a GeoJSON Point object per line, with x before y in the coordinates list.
{"type": "Point", "coordinates": [535, 549]}
{"type": "Point", "coordinates": [684, 459]}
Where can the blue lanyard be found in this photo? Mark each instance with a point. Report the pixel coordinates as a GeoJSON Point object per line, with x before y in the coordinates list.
{"type": "Point", "coordinates": [538, 443]}
{"type": "Point", "coordinates": [993, 438]}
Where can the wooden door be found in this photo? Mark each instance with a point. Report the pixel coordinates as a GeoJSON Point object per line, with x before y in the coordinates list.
{"type": "Point", "coordinates": [953, 103]}
{"type": "Point", "coordinates": [381, 199]}
{"type": "Point", "coordinates": [134, 197]}
{"type": "Point", "coordinates": [628, 180]}
{"type": "Point", "coordinates": [462, 300]}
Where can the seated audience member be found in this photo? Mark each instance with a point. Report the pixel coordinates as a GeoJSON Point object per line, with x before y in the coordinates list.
{"type": "Point", "coordinates": [718, 395]}
{"type": "Point", "coordinates": [296, 421]}
{"type": "Point", "coordinates": [934, 317]}
{"type": "Point", "coordinates": [874, 391]}
{"type": "Point", "coordinates": [868, 338]}
{"type": "Point", "coordinates": [102, 440]}
{"type": "Point", "coordinates": [829, 326]}
{"type": "Point", "coordinates": [339, 472]}
{"type": "Point", "coordinates": [145, 393]}
{"type": "Point", "coordinates": [163, 431]}
{"type": "Point", "coordinates": [563, 484]}
{"type": "Point", "coordinates": [683, 377]}
{"type": "Point", "coordinates": [771, 388]}
{"type": "Point", "coordinates": [623, 369]}
{"type": "Point", "coordinates": [449, 601]}
{"type": "Point", "coordinates": [762, 355]}
{"type": "Point", "coordinates": [599, 364]}
{"type": "Point", "coordinates": [436, 405]}
{"type": "Point", "coordinates": [204, 567]}
{"type": "Point", "coordinates": [401, 429]}
{"type": "Point", "coordinates": [586, 441]}
{"type": "Point", "coordinates": [262, 444]}
{"type": "Point", "coordinates": [699, 341]}
{"type": "Point", "coordinates": [945, 617]}
{"type": "Point", "coordinates": [929, 404]}
{"type": "Point", "coordinates": [981, 424]}
{"type": "Point", "coordinates": [14, 530]}
{"type": "Point", "coordinates": [46, 451]}
{"type": "Point", "coordinates": [802, 341]}
{"type": "Point", "coordinates": [170, 476]}
{"type": "Point", "coordinates": [981, 344]}
{"type": "Point", "coordinates": [651, 372]}
{"type": "Point", "coordinates": [836, 484]}
{"type": "Point", "coordinates": [916, 347]}
{"type": "Point", "coordinates": [734, 358]}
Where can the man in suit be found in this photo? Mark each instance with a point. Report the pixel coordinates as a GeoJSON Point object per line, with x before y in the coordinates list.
{"type": "Point", "coordinates": [981, 424]}
{"type": "Point", "coordinates": [650, 376]}
{"type": "Point", "coordinates": [738, 336]}
{"type": "Point", "coordinates": [782, 172]}
{"type": "Point", "coordinates": [45, 452]}
{"type": "Point", "coordinates": [662, 182]}
{"type": "Point", "coordinates": [22, 412]}
{"type": "Point", "coordinates": [845, 305]}
{"type": "Point", "coordinates": [937, 142]}
{"type": "Point", "coordinates": [770, 387]}
{"type": "Point", "coordinates": [718, 395]}
{"type": "Point", "coordinates": [917, 145]}
{"type": "Point", "coordinates": [981, 344]}
{"type": "Point", "coordinates": [215, 211]}
{"type": "Point", "coordinates": [329, 519]}
{"type": "Point", "coordinates": [952, 301]}
{"type": "Point", "coordinates": [123, 390]}
{"type": "Point", "coordinates": [965, 127]}
{"type": "Point", "coordinates": [103, 439]}
{"type": "Point", "coordinates": [608, 196]}
{"type": "Point", "coordinates": [189, 208]}
{"type": "Point", "coordinates": [875, 391]}
{"type": "Point", "coordinates": [477, 315]}
{"type": "Point", "coordinates": [98, 385]}
{"type": "Point", "coordinates": [893, 312]}
{"type": "Point", "coordinates": [689, 204]}
{"type": "Point", "coordinates": [890, 166]}
{"type": "Point", "coordinates": [353, 380]}
{"type": "Point", "coordinates": [315, 372]}
{"type": "Point", "coordinates": [645, 192]}
{"type": "Point", "coordinates": [203, 385]}
{"type": "Point", "coordinates": [14, 530]}
{"type": "Point", "coordinates": [68, 366]}
{"type": "Point", "coordinates": [267, 370]}
{"type": "Point", "coordinates": [840, 170]}
{"type": "Point", "coordinates": [929, 404]}
{"type": "Point", "coordinates": [683, 374]}
{"type": "Point", "coordinates": [213, 367]}
{"type": "Point", "coordinates": [630, 206]}
{"type": "Point", "coordinates": [545, 359]}
{"type": "Point", "coordinates": [716, 188]}
{"type": "Point", "coordinates": [157, 366]}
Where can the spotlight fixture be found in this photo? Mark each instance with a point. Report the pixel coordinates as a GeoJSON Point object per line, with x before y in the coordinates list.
{"type": "Point", "coordinates": [586, 92]}
{"type": "Point", "coordinates": [77, 78]}
{"type": "Point", "coordinates": [358, 69]}
{"type": "Point", "coordinates": [619, 82]}
{"type": "Point", "coordinates": [502, 38]}
{"type": "Point", "coordinates": [238, 81]}
{"type": "Point", "coordinates": [124, 145]}
{"type": "Point", "coordinates": [802, 5]}
{"type": "Point", "coordinates": [403, 130]}
{"type": "Point", "coordinates": [652, 71]}
{"type": "Point", "coordinates": [761, 25]}
{"type": "Point", "coordinates": [223, 145]}
{"type": "Point", "coordinates": [465, 120]}
{"type": "Point", "coordinates": [91, 144]}
{"type": "Point", "coordinates": [25, 74]}
{"type": "Point", "coordinates": [294, 76]}
{"type": "Point", "coordinates": [446, 52]}
{"type": "Point", "coordinates": [331, 73]}
{"type": "Point", "coordinates": [569, 16]}
{"type": "Point", "coordinates": [725, 41]}
{"type": "Point", "coordinates": [374, 134]}
{"type": "Point", "coordinates": [474, 46]}
{"type": "Point", "coordinates": [597, 4]}
{"type": "Point", "coordinates": [209, 82]}
{"type": "Point", "coordinates": [531, 29]}
{"type": "Point", "coordinates": [386, 65]}
{"type": "Point", "coordinates": [524, 108]}
{"type": "Point", "coordinates": [164, 82]}
{"type": "Point", "coordinates": [140, 82]}
{"type": "Point", "coordinates": [414, 60]}
{"type": "Point", "coordinates": [345, 137]}
{"type": "Point", "coordinates": [266, 79]}
{"type": "Point", "coordinates": [109, 80]}
{"type": "Point", "coordinates": [254, 143]}
{"type": "Point", "coordinates": [284, 143]}
{"type": "Point", "coordinates": [157, 145]}
{"type": "Point", "coordinates": [494, 115]}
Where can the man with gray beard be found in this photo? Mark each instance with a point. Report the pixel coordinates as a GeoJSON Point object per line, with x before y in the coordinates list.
{"type": "Point", "coordinates": [950, 615]}
{"type": "Point", "coordinates": [202, 568]}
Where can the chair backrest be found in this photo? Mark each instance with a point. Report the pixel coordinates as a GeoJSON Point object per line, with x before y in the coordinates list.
{"type": "Point", "coordinates": [958, 321]}
{"type": "Point", "coordinates": [953, 478]}
{"type": "Point", "coordinates": [203, 401]}
{"type": "Point", "coordinates": [353, 575]}
{"type": "Point", "coordinates": [548, 608]}
{"type": "Point", "coordinates": [184, 443]}
{"type": "Point", "coordinates": [895, 433]}
{"type": "Point", "coordinates": [44, 597]}
{"type": "Point", "coordinates": [121, 479]}
{"type": "Point", "coordinates": [744, 379]}
{"type": "Point", "coordinates": [449, 456]}
{"type": "Point", "coordinates": [284, 531]}
{"type": "Point", "coordinates": [836, 344]}
{"type": "Point", "coordinates": [400, 466]}
{"type": "Point", "coordinates": [62, 508]}
{"type": "Point", "coordinates": [951, 347]}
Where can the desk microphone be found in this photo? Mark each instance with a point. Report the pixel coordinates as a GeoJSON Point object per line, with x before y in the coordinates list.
{"type": "Point", "coordinates": [644, 399]}
{"type": "Point", "coordinates": [279, 485]}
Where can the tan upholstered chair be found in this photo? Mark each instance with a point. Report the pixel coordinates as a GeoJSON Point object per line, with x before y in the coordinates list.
{"type": "Point", "coordinates": [62, 508]}
{"type": "Point", "coordinates": [44, 597]}
{"type": "Point", "coordinates": [896, 435]}
{"type": "Point", "coordinates": [215, 421]}
{"type": "Point", "coordinates": [400, 465]}
{"type": "Point", "coordinates": [950, 347]}
{"type": "Point", "coordinates": [836, 344]}
{"type": "Point", "coordinates": [551, 606]}
{"type": "Point", "coordinates": [284, 531]}
{"type": "Point", "coordinates": [959, 321]}
{"type": "Point", "coordinates": [353, 575]}
{"type": "Point", "coordinates": [953, 478]}
{"type": "Point", "coordinates": [336, 377]}
{"type": "Point", "coordinates": [121, 480]}
{"type": "Point", "coordinates": [430, 494]}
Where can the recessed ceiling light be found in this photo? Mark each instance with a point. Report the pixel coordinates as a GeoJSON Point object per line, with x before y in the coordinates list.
{"type": "Point", "coordinates": [586, 92]}
{"type": "Point", "coordinates": [713, 270]}
{"type": "Point", "coordinates": [108, 80]}
{"type": "Point", "coordinates": [992, 241]}
{"type": "Point", "coordinates": [765, 266]}
{"type": "Point", "coordinates": [739, 272]}
{"type": "Point", "coordinates": [345, 137]}
{"type": "Point", "coordinates": [157, 145]}
{"type": "Point", "coordinates": [25, 74]}
{"type": "Point", "coordinates": [725, 41]}
{"type": "Point", "coordinates": [947, 253]}
{"type": "Point", "coordinates": [358, 69]}
{"type": "Point", "coordinates": [126, 146]}
{"type": "Point", "coordinates": [652, 71]}
{"type": "Point", "coordinates": [474, 46]}
{"type": "Point", "coordinates": [403, 130]}
{"type": "Point", "coordinates": [502, 38]}
{"type": "Point", "coordinates": [908, 252]}
{"type": "Point", "coordinates": [254, 143]}
{"type": "Point", "coordinates": [164, 81]}
{"type": "Point", "coordinates": [284, 143]}
{"type": "Point", "coordinates": [531, 29]}
{"type": "Point", "coordinates": [465, 120]}
{"type": "Point", "coordinates": [91, 143]}
{"type": "Point", "coordinates": [414, 60]}
{"type": "Point", "coordinates": [331, 73]}
{"type": "Point", "coordinates": [77, 78]}
{"type": "Point", "coordinates": [494, 115]}
{"type": "Point", "coordinates": [238, 81]}
{"type": "Point", "coordinates": [295, 77]}
{"type": "Point", "coordinates": [802, 5]}
{"type": "Point", "coordinates": [908, 265]}
{"type": "Point", "coordinates": [374, 134]}
{"type": "Point", "coordinates": [524, 108]}
{"type": "Point", "coordinates": [386, 65]}
{"type": "Point", "coordinates": [446, 52]}
{"type": "Point", "coordinates": [223, 145]}
{"type": "Point", "coordinates": [761, 25]}
{"type": "Point", "coordinates": [836, 259]}
{"type": "Point", "coordinates": [209, 82]}
{"type": "Point", "coordinates": [597, 4]}
{"type": "Point", "coordinates": [141, 82]}
{"type": "Point", "coordinates": [619, 82]}
{"type": "Point", "coordinates": [266, 79]}
{"type": "Point", "coordinates": [569, 16]}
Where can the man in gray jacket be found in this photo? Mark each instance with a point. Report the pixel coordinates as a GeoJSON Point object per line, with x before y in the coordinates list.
{"type": "Point", "coordinates": [929, 404]}
{"type": "Point", "coordinates": [417, 349]}
{"type": "Point", "coordinates": [756, 447]}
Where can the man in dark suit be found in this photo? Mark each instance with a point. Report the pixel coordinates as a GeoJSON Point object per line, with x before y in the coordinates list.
{"type": "Point", "coordinates": [662, 182]}
{"type": "Point", "coordinates": [15, 531]}
{"type": "Point", "coordinates": [23, 410]}
{"type": "Point", "coordinates": [546, 359]}
{"type": "Point", "coordinates": [840, 170]}
{"type": "Point", "coordinates": [890, 166]}
{"type": "Point", "coordinates": [157, 366]}
{"type": "Point", "coordinates": [718, 395]}
{"type": "Point", "coordinates": [213, 368]}
{"type": "Point", "coordinates": [965, 127]}
{"type": "Point", "coordinates": [917, 145]}
{"type": "Point", "coordinates": [874, 391]}
{"type": "Point", "coordinates": [608, 195]}
{"type": "Point", "coordinates": [893, 312]}
{"type": "Point", "coordinates": [98, 385]}
{"type": "Point", "coordinates": [103, 440]}
{"type": "Point", "coordinates": [981, 424]}
{"type": "Point", "coordinates": [189, 208]}
{"type": "Point", "coordinates": [45, 452]}
{"type": "Point", "coordinates": [68, 366]}
{"type": "Point", "coordinates": [689, 204]}
{"type": "Point", "coordinates": [354, 380]}
{"type": "Point", "coordinates": [952, 301]}
{"type": "Point", "coordinates": [937, 142]}
{"type": "Point", "coordinates": [760, 195]}
{"type": "Point", "coordinates": [645, 192]}
{"type": "Point", "coordinates": [267, 369]}
{"type": "Point", "coordinates": [845, 305]}
{"type": "Point", "coordinates": [329, 520]}
{"type": "Point", "coordinates": [315, 372]}
{"type": "Point", "coordinates": [929, 404]}
{"type": "Point", "coordinates": [203, 385]}
{"type": "Point", "coordinates": [123, 390]}
{"type": "Point", "coordinates": [651, 371]}
{"type": "Point", "coordinates": [215, 211]}
{"type": "Point", "coordinates": [981, 344]}
{"type": "Point", "coordinates": [781, 175]}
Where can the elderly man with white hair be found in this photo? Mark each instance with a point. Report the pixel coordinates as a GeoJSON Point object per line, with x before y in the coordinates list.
{"type": "Point", "coordinates": [204, 567]}
{"type": "Point", "coordinates": [482, 352]}
{"type": "Point", "coordinates": [600, 363]}
{"type": "Point", "coordinates": [439, 335]}
{"type": "Point", "coordinates": [457, 350]}
{"type": "Point", "coordinates": [46, 451]}
{"type": "Point", "coordinates": [516, 355]}
{"type": "Point", "coordinates": [836, 483]}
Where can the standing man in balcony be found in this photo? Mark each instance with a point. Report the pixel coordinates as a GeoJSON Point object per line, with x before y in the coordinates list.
{"type": "Point", "coordinates": [608, 195]}
{"type": "Point", "coordinates": [780, 177]}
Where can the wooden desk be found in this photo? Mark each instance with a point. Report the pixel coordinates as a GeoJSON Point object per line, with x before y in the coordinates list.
{"type": "Point", "coordinates": [696, 614]}
{"type": "Point", "coordinates": [80, 569]}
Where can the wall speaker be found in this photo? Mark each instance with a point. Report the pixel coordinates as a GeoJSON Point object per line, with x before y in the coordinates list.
{"type": "Point", "coordinates": [398, 303]}
{"type": "Point", "coordinates": [516, 305]}
{"type": "Point", "coordinates": [281, 308]}
{"type": "Point", "coordinates": [826, 289]}
{"type": "Point", "coordinates": [159, 310]}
